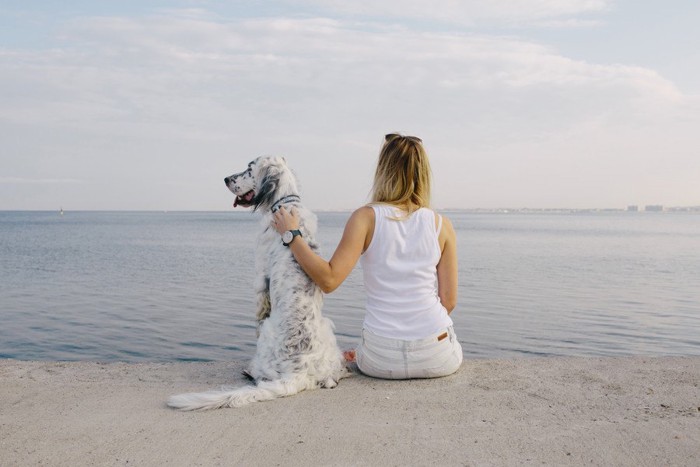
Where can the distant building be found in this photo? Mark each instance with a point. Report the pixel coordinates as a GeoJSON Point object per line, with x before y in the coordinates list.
{"type": "Point", "coordinates": [632, 208]}
{"type": "Point", "coordinates": [653, 208]}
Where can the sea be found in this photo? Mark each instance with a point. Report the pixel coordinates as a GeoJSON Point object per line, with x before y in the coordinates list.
{"type": "Point", "coordinates": [177, 286]}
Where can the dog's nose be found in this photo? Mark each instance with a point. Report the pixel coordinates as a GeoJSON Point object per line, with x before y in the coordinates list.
{"type": "Point", "coordinates": [226, 180]}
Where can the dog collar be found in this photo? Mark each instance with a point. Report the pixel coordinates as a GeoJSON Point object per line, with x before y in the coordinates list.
{"type": "Point", "coordinates": [276, 205]}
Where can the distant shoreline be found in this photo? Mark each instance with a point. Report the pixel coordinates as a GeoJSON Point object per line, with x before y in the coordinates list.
{"type": "Point", "coordinates": [674, 209]}
{"type": "Point", "coordinates": [669, 209]}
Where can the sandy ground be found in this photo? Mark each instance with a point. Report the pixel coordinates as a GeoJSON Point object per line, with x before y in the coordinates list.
{"type": "Point", "coordinates": [553, 411]}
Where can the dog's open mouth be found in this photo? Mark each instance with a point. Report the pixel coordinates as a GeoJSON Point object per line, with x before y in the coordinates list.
{"type": "Point", "coordinates": [244, 200]}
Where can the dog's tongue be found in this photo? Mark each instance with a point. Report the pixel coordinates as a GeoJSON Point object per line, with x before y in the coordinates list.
{"type": "Point", "coordinates": [247, 198]}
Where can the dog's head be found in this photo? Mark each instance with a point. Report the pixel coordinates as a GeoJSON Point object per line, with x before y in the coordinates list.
{"type": "Point", "coordinates": [266, 180]}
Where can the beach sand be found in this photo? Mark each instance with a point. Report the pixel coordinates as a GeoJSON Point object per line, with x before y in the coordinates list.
{"type": "Point", "coordinates": [530, 411]}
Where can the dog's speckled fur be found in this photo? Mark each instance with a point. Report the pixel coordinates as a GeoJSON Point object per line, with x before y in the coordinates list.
{"type": "Point", "coordinates": [296, 348]}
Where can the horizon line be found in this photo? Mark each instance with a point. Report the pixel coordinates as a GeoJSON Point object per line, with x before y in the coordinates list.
{"type": "Point", "coordinates": [643, 208]}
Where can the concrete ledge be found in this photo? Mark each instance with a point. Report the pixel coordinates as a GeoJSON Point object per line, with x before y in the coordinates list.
{"type": "Point", "coordinates": [557, 411]}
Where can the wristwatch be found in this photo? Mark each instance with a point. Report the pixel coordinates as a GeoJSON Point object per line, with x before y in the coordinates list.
{"type": "Point", "coordinates": [289, 235]}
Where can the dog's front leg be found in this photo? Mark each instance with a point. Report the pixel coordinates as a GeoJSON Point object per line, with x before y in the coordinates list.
{"type": "Point", "coordinates": [263, 307]}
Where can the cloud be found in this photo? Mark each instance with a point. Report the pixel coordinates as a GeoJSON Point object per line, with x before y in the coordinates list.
{"type": "Point", "coordinates": [117, 69]}
{"type": "Point", "coordinates": [38, 181]}
{"type": "Point", "coordinates": [473, 12]}
{"type": "Point", "coordinates": [182, 97]}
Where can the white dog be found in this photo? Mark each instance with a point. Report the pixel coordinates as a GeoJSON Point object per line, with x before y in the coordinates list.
{"type": "Point", "coordinates": [296, 348]}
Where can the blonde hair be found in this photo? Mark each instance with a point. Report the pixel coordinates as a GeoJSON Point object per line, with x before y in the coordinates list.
{"type": "Point", "coordinates": [403, 174]}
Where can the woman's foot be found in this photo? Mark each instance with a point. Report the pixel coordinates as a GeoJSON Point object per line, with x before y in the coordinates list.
{"type": "Point", "coordinates": [349, 355]}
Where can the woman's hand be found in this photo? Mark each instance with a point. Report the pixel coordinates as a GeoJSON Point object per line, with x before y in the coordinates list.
{"type": "Point", "coordinates": [284, 220]}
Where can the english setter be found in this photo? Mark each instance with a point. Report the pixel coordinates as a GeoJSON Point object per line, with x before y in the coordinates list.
{"type": "Point", "coordinates": [296, 347]}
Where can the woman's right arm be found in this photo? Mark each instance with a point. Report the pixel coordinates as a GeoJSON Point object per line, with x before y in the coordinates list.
{"type": "Point", "coordinates": [328, 275]}
{"type": "Point", "coordinates": [447, 267]}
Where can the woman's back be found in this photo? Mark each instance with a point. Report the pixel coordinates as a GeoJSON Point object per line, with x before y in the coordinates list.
{"type": "Point", "coordinates": [400, 276]}
{"type": "Point", "coordinates": [409, 265]}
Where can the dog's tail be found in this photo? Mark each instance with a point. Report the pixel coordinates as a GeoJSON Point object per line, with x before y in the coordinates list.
{"type": "Point", "coordinates": [264, 391]}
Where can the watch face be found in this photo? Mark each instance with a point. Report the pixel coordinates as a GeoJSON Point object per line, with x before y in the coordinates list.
{"type": "Point", "coordinates": [288, 236]}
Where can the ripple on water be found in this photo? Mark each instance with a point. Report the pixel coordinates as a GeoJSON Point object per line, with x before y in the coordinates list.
{"type": "Point", "coordinates": [178, 286]}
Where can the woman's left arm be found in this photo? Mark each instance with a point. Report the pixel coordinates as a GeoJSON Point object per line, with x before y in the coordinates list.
{"type": "Point", "coordinates": [447, 270]}
{"type": "Point", "coordinates": [328, 274]}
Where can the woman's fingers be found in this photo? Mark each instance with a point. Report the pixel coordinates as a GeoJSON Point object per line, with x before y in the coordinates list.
{"type": "Point", "coordinates": [283, 220]}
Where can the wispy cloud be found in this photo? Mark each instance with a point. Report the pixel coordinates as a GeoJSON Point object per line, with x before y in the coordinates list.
{"type": "Point", "coordinates": [167, 97]}
{"type": "Point", "coordinates": [146, 69]}
{"type": "Point", "coordinates": [38, 181]}
{"type": "Point", "coordinates": [472, 12]}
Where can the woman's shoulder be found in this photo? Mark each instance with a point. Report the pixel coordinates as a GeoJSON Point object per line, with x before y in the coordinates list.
{"type": "Point", "coordinates": [445, 219]}
{"type": "Point", "coordinates": [439, 215]}
{"type": "Point", "coordinates": [364, 211]}
{"type": "Point", "coordinates": [363, 215]}
{"type": "Point", "coordinates": [361, 223]}
{"type": "Point", "coordinates": [447, 231]}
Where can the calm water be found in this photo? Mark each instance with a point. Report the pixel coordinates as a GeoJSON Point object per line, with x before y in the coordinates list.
{"type": "Point", "coordinates": [145, 286]}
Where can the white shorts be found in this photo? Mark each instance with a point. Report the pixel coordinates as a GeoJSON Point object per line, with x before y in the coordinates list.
{"type": "Point", "coordinates": [431, 357]}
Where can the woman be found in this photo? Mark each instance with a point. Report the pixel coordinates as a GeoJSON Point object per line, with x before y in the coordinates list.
{"type": "Point", "coordinates": [409, 261]}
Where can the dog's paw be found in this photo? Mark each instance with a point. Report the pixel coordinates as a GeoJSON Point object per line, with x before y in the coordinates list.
{"type": "Point", "coordinates": [329, 383]}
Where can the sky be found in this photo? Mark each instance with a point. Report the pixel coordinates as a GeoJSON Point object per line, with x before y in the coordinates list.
{"type": "Point", "coordinates": [148, 105]}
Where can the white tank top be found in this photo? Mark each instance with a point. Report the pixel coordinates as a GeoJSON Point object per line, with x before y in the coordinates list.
{"type": "Point", "coordinates": [400, 275]}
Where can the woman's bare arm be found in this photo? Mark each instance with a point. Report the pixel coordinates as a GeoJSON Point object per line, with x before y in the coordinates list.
{"type": "Point", "coordinates": [329, 274]}
{"type": "Point", "coordinates": [447, 267]}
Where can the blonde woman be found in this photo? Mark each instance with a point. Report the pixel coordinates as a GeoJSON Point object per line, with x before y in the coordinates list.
{"type": "Point", "coordinates": [409, 261]}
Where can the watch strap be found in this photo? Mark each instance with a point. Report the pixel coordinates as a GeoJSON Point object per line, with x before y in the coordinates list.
{"type": "Point", "coordinates": [294, 232]}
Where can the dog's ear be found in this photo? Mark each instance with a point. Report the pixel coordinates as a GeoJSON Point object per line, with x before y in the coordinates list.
{"type": "Point", "coordinates": [267, 190]}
